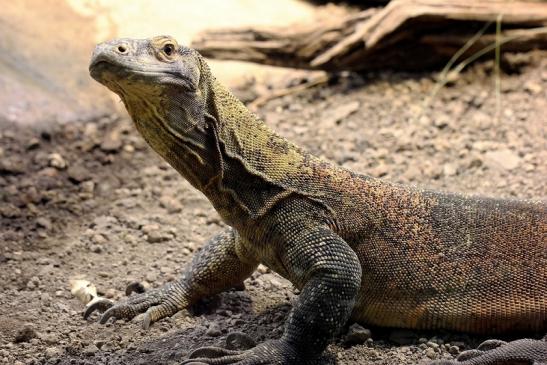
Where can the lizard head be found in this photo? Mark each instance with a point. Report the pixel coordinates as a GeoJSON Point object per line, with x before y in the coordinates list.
{"type": "Point", "coordinates": [145, 66]}
{"type": "Point", "coordinates": [165, 88]}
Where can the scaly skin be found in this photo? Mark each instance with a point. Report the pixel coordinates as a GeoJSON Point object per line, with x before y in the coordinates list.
{"type": "Point", "coordinates": [357, 247]}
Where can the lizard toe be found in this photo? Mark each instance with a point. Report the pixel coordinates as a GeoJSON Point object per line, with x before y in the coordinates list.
{"type": "Point", "coordinates": [211, 352]}
{"type": "Point", "coordinates": [127, 309]}
{"type": "Point", "coordinates": [100, 305]}
{"type": "Point", "coordinates": [275, 352]}
{"type": "Point", "coordinates": [491, 344]}
{"type": "Point", "coordinates": [153, 314]}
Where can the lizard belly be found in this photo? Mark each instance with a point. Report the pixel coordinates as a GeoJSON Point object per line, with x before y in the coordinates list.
{"type": "Point", "coordinates": [436, 288]}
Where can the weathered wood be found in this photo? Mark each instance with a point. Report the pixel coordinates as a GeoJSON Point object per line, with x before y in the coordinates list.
{"type": "Point", "coordinates": [289, 47]}
{"type": "Point", "coordinates": [407, 34]}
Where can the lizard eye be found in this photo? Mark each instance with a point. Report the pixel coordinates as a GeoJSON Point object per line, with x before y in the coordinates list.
{"type": "Point", "coordinates": [169, 49]}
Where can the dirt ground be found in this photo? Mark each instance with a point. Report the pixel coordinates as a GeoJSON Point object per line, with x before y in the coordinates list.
{"type": "Point", "coordinates": [92, 201]}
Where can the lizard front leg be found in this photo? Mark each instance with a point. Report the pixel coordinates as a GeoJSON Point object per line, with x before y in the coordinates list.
{"type": "Point", "coordinates": [215, 268]}
{"type": "Point", "coordinates": [329, 273]}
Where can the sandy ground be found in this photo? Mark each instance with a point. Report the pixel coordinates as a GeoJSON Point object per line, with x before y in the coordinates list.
{"type": "Point", "coordinates": [91, 200]}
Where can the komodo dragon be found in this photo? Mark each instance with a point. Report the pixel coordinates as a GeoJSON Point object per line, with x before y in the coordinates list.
{"type": "Point", "coordinates": [356, 247]}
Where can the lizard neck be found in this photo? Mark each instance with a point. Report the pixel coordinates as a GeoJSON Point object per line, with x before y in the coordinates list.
{"type": "Point", "coordinates": [257, 165]}
{"type": "Point", "coordinates": [247, 138]}
{"type": "Point", "coordinates": [189, 148]}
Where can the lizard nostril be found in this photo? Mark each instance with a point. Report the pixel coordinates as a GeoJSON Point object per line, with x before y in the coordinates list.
{"type": "Point", "coordinates": [122, 49]}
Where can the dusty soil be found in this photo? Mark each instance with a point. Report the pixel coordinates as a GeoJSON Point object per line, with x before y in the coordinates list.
{"type": "Point", "coordinates": [93, 201]}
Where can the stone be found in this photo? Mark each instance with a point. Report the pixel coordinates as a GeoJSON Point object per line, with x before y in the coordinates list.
{"type": "Point", "coordinates": [33, 143]}
{"type": "Point", "coordinates": [148, 228]}
{"type": "Point", "coordinates": [44, 222]}
{"type": "Point", "coordinates": [53, 352]}
{"type": "Point", "coordinates": [78, 174]}
{"type": "Point", "coordinates": [429, 352]}
{"type": "Point", "coordinates": [157, 237]}
{"type": "Point", "coordinates": [25, 333]}
{"type": "Point", "coordinates": [239, 341]}
{"type": "Point", "coordinates": [33, 283]}
{"type": "Point", "coordinates": [96, 248]}
{"type": "Point", "coordinates": [87, 186]}
{"type": "Point", "coordinates": [504, 159]}
{"type": "Point", "coordinates": [357, 335]}
{"type": "Point", "coordinates": [213, 330]}
{"type": "Point", "coordinates": [11, 166]}
{"type": "Point", "coordinates": [57, 161]}
{"type": "Point", "coordinates": [171, 204]}
{"type": "Point", "coordinates": [90, 350]}
{"type": "Point", "coordinates": [533, 87]}
{"type": "Point", "coordinates": [98, 239]}
{"type": "Point", "coordinates": [111, 142]}
{"type": "Point", "coordinates": [338, 114]}
{"type": "Point", "coordinates": [449, 169]}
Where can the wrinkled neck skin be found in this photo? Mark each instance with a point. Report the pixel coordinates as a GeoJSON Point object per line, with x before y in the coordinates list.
{"type": "Point", "coordinates": [172, 130]}
{"type": "Point", "coordinates": [219, 146]}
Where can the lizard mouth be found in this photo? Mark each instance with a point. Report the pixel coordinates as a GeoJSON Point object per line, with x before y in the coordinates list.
{"type": "Point", "coordinates": [103, 68]}
{"type": "Point", "coordinates": [99, 65]}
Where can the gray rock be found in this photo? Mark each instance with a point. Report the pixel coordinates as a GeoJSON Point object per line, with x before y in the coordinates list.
{"type": "Point", "coordinates": [239, 341]}
{"type": "Point", "coordinates": [158, 236]}
{"type": "Point", "coordinates": [213, 330]}
{"type": "Point", "coordinates": [338, 114]}
{"type": "Point", "coordinates": [11, 166]}
{"type": "Point", "coordinates": [171, 204]}
{"type": "Point", "coordinates": [98, 239]}
{"type": "Point", "coordinates": [111, 142]}
{"type": "Point", "coordinates": [450, 169]}
{"type": "Point", "coordinates": [53, 352]}
{"type": "Point", "coordinates": [533, 87]}
{"type": "Point", "coordinates": [357, 335]}
{"type": "Point", "coordinates": [44, 222]}
{"type": "Point", "coordinates": [33, 143]}
{"type": "Point", "coordinates": [25, 333]}
{"type": "Point", "coordinates": [78, 174]}
{"type": "Point", "coordinates": [96, 248]}
{"type": "Point", "coordinates": [504, 159]}
{"type": "Point", "coordinates": [57, 161]}
{"type": "Point", "coordinates": [430, 353]}
{"type": "Point", "coordinates": [90, 350]}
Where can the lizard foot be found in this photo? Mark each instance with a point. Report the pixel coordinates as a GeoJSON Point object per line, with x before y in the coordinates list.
{"type": "Point", "coordinates": [274, 352]}
{"type": "Point", "coordinates": [525, 352]}
{"type": "Point", "coordinates": [155, 304]}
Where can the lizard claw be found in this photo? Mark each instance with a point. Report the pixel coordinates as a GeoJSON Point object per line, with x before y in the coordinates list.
{"type": "Point", "coordinates": [481, 349]}
{"type": "Point", "coordinates": [275, 352]}
{"type": "Point", "coordinates": [491, 344]}
{"type": "Point", "coordinates": [101, 305]}
{"type": "Point", "coordinates": [496, 351]}
{"type": "Point", "coordinates": [212, 352]}
{"type": "Point", "coordinates": [155, 304]}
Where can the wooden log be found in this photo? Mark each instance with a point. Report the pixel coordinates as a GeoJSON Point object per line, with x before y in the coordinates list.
{"type": "Point", "coordinates": [406, 34]}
